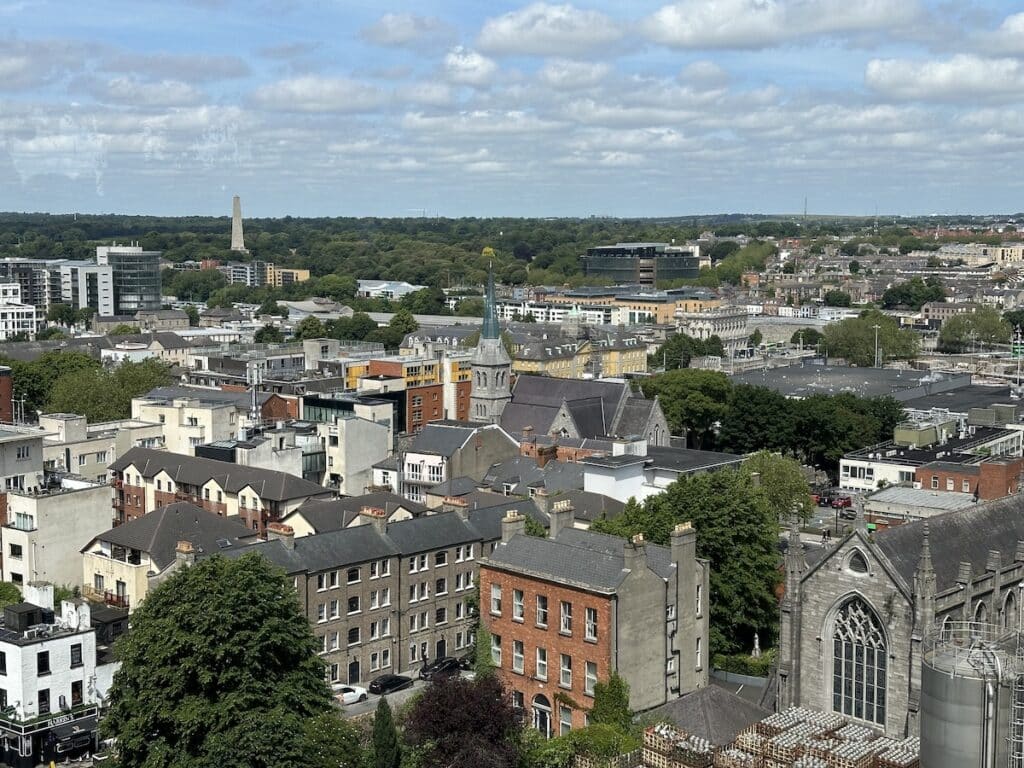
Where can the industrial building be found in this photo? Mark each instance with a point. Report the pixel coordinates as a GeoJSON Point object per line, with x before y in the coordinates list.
{"type": "Point", "coordinates": [643, 264]}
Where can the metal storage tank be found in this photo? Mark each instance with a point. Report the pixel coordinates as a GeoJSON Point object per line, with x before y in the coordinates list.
{"type": "Point", "coordinates": [972, 691]}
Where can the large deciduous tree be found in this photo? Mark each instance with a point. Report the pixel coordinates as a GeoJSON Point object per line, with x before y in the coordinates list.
{"type": "Point", "coordinates": [854, 339]}
{"type": "Point", "coordinates": [737, 531]}
{"type": "Point", "coordinates": [220, 668]}
{"type": "Point", "coordinates": [458, 722]}
{"type": "Point", "coordinates": [693, 401]}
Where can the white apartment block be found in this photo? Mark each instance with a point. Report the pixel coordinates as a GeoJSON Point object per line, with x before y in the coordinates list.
{"type": "Point", "coordinates": [16, 317]}
{"type": "Point", "coordinates": [353, 445]}
{"type": "Point", "coordinates": [73, 445]}
{"type": "Point", "coordinates": [188, 422]}
{"type": "Point", "coordinates": [45, 531]}
{"type": "Point", "coordinates": [21, 458]}
{"type": "Point", "coordinates": [86, 284]}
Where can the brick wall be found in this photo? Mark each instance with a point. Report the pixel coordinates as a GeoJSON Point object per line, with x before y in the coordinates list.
{"type": "Point", "coordinates": [990, 480]}
{"type": "Point", "coordinates": [550, 638]}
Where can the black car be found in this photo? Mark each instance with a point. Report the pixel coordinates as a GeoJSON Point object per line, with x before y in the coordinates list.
{"type": "Point", "coordinates": [446, 666]}
{"type": "Point", "coordinates": [468, 659]}
{"type": "Point", "coordinates": [389, 684]}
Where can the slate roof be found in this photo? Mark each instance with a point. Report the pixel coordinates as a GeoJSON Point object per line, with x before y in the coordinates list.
{"type": "Point", "coordinates": [335, 514]}
{"type": "Point", "coordinates": [422, 534]}
{"type": "Point", "coordinates": [487, 520]}
{"type": "Point", "coordinates": [580, 558]}
{"type": "Point", "coordinates": [484, 499]}
{"type": "Point", "coordinates": [550, 392]}
{"type": "Point", "coordinates": [363, 543]}
{"type": "Point", "coordinates": [635, 415]}
{"type": "Point", "coordinates": [711, 713]}
{"type": "Point", "coordinates": [268, 484]}
{"type": "Point", "coordinates": [590, 506]}
{"type": "Point", "coordinates": [158, 532]}
{"type": "Point", "coordinates": [324, 551]}
{"type": "Point", "coordinates": [518, 416]}
{"type": "Point", "coordinates": [457, 486]}
{"type": "Point", "coordinates": [440, 439]}
{"type": "Point", "coordinates": [522, 473]}
{"type": "Point", "coordinates": [688, 459]}
{"type": "Point", "coordinates": [966, 535]}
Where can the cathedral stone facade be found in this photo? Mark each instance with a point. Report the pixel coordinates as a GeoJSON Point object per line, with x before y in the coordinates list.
{"type": "Point", "coordinates": [853, 621]}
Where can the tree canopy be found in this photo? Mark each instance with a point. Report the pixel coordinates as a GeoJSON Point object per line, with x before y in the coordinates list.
{"type": "Point", "coordinates": [737, 531]}
{"type": "Point", "coordinates": [854, 339]}
{"type": "Point", "coordinates": [693, 401]}
{"type": "Point", "coordinates": [913, 293]}
{"type": "Point", "coordinates": [102, 394]}
{"type": "Point", "coordinates": [983, 328]}
{"type": "Point", "coordinates": [220, 668]}
{"type": "Point", "coordinates": [679, 349]}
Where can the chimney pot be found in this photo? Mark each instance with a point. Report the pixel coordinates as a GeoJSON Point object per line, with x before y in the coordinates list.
{"type": "Point", "coordinates": [282, 532]}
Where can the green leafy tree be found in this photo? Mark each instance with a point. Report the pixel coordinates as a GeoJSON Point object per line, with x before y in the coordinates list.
{"type": "Point", "coordinates": [854, 339]}
{"type": "Point", "coordinates": [271, 307]}
{"type": "Point", "coordinates": [50, 334]}
{"type": "Point", "coordinates": [737, 533]}
{"type": "Point", "coordinates": [268, 334]}
{"type": "Point", "coordinates": [611, 704]}
{"type": "Point", "coordinates": [196, 285]}
{"type": "Point", "coordinates": [837, 299]}
{"type": "Point", "coordinates": [755, 338]}
{"type": "Point", "coordinates": [427, 301]}
{"type": "Point", "coordinates": [309, 328]}
{"type": "Point", "coordinates": [220, 668]}
{"type": "Point", "coordinates": [333, 742]}
{"type": "Point", "coordinates": [756, 418]}
{"type": "Point", "coordinates": [913, 293]}
{"type": "Point", "coordinates": [62, 314]}
{"type": "Point", "coordinates": [782, 483]}
{"type": "Point", "coordinates": [693, 401]}
{"type": "Point", "coordinates": [386, 750]}
{"type": "Point", "coordinates": [809, 337]}
{"type": "Point", "coordinates": [193, 315]}
{"type": "Point", "coordinates": [124, 329]}
{"type": "Point", "coordinates": [9, 594]}
{"type": "Point", "coordinates": [470, 307]}
{"type": "Point", "coordinates": [106, 395]}
{"type": "Point", "coordinates": [533, 528]}
{"type": "Point", "coordinates": [679, 349]}
{"type": "Point", "coordinates": [403, 322]}
{"type": "Point", "coordinates": [854, 266]}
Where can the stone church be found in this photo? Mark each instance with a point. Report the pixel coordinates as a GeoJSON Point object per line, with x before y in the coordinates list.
{"type": "Point", "coordinates": [853, 621]}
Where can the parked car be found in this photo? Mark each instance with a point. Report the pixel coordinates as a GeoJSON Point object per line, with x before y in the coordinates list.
{"type": "Point", "coordinates": [349, 694]}
{"type": "Point", "coordinates": [389, 684]}
{"type": "Point", "coordinates": [841, 502]}
{"type": "Point", "coordinates": [848, 513]}
{"type": "Point", "coordinates": [823, 499]}
{"type": "Point", "coordinates": [468, 659]}
{"type": "Point", "coordinates": [446, 666]}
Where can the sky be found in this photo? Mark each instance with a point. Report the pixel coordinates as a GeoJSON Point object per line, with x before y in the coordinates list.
{"type": "Point", "coordinates": [611, 107]}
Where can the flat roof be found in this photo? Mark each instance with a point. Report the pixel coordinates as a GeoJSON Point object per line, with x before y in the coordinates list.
{"type": "Point", "coordinates": [947, 501]}
{"type": "Point", "coordinates": [963, 399]}
{"type": "Point", "coordinates": [806, 380]}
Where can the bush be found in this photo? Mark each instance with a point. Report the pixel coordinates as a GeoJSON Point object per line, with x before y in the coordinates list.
{"type": "Point", "coordinates": [745, 664]}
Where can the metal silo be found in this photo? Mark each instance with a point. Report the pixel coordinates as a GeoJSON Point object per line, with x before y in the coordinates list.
{"type": "Point", "coordinates": [972, 698]}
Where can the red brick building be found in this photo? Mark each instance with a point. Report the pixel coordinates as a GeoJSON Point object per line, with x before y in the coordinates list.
{"type": "Point", "coordinates": [989, 479]}
{"type": "Point", "coordinates": [565, 612]}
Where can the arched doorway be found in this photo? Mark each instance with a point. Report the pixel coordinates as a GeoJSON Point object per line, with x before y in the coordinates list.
{"type": "Point", "coordinates": [542, 714]}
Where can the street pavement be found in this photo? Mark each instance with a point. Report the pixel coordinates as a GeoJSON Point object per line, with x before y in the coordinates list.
{"type": "Point", "coordinates": [396, 699]}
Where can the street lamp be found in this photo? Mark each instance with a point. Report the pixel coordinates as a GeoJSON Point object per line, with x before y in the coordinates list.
{"type": "Point", "coordinates": [877, 363]}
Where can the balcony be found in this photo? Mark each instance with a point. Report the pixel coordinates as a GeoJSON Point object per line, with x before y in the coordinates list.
{"type": "Point", "coordinates": [107, 597]}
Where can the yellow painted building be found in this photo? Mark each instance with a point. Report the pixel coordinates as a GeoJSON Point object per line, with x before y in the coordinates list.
{"type": "Point", "coordinates": [281, 276]}
{"type": "Point", "coordinates": [569, 360]}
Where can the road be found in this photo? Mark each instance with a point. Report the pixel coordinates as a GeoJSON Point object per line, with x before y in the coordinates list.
{"type": "Point", "coordinates": [395, 699]}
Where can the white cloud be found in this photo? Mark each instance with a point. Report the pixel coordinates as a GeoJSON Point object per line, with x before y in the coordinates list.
{"type": "Point", "coordinates": [467, 67]}
{"type": "Point", "coordinates": [708, 24]}
{"type": "Point", "coordinates": [705, 75]}
{"type": "Point", "coordinates": [128, 90]}
{"type": "Point", "coordinates": [569, 75]}
{"type": "Point", "coordinates": [963, 77]}
{"type": "Point", "coordinates": [1009, 38]}
{"type": "Point", "coordinates": [548, 30]}
{"type": "Point", "coordinates": [313, 93]}
{"type": "Point", "coordinates": [407, 30]}
{"type": "Point", "coordinates": [428, 94]}
{"type": "Point", "coordinates": [479, 123]}
{"type": "Point", "coordinates": [189, 67]}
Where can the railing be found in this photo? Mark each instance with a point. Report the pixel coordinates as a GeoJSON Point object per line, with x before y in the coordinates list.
{"type": "Point", "coordinates": [108, 597]}
{"type": "Point", "coordinates": [9, 718]}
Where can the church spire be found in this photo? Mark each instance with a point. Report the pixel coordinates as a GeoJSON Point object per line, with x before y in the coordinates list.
{"type": "Point", "coordinates": [490, 329]}
{"type": "Point", "coordinates": [924, 564]}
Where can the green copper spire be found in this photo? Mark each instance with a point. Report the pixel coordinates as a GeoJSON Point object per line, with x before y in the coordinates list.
{"type": "Point", "coordinates": [490, 328]}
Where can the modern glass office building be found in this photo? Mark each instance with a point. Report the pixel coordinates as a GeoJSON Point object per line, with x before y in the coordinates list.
{"type": "Point", "coordinates": [136, 277]}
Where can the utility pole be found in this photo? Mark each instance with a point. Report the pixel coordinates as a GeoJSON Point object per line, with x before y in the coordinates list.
{"type": "Point", "coordinates": [876, 327]}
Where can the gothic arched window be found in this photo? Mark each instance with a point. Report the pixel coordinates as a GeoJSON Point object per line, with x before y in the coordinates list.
{"type": "Point", "coordinates": [858, 663]}
{"type": "Point", "coordinates": [981, 613]}
{"type": "Point", "coordinates": [1010, 611]}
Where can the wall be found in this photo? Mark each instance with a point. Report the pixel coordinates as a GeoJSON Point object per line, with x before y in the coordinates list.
{"type": "Point", "coordinates": [485, 448]}
{"type": "Point", "coordinates": [134, 576]}
{"type": "Point", "coordinates": [64, 523]}
{"type": "Point", "coordinates": [550, 638]}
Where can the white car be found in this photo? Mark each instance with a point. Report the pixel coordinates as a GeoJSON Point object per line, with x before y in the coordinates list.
{"type": "Point", "coordinates": [349, 694]}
